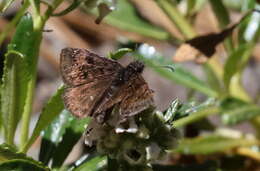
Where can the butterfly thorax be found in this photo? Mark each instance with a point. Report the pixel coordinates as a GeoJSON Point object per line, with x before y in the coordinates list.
{"type": "Point", "coordinates": [126, 73]}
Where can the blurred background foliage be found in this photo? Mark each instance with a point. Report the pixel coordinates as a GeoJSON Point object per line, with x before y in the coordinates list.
{"type": "Point", "coordinates": [202, 60]}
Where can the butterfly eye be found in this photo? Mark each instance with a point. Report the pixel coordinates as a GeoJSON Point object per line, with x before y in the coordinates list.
{"type": "Point", "coordinates": [90, 61]}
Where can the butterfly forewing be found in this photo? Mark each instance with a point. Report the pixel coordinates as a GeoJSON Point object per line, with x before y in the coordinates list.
{"type": "Point", "coordinates": [79, 66]}
{"type": "Point", "coordinates": [86, 76]}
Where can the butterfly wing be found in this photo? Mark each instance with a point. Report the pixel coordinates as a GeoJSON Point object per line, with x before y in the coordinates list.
{"type": "Point", "coordinates": [133, 97]}
{"type": "Point", "coordinates": [86, 76]}
{"type": "Point", "coordinates": [139, 98]}
{"type": "Point", "coordinates": [79, 66]}
{"type": "Point", "coordinates": [81, 100]}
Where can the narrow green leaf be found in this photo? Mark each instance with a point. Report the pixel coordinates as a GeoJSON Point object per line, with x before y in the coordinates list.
{"type": "Point", "coordinates": [221, 12]}
{"type": "Point", "coordinates": [94, 164]}
{"type": "Point", "coordinates": [249, 27]}
{"type": "Point", "coordinates": [170, 8]}
{"type": "Point", "coordinates": [171, 111]}
{"type": "Point", "coordinates": [235, 61]}
{"type": "Point", "coordinates": [72, 6]}
{"type": "Point", "coordinates": [240, 114]}
{"type": "Point", "coordinates": [194, 6]}
{"type": "Point", "coordinates": [211, 144]}
{"type": "Point", "coordinates": [206, 166]}
{"type": "Point", "coordinates": [49, 113]}
{"type": "Point", "coordinates": [5, 4]}
{"type": "Point", "coordinates": [119, 53]}
{"type": "Point", "coordinates": [153, 59]}
{"type": "Point", "coordinates": [126, 18]}
{"type": "Point", "coordinates": [212, 79]}
{"type": "Point", "coordinates": [16, 75]}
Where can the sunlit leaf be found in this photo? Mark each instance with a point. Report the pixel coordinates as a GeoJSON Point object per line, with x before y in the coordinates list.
{"type": "Point", "coordinates": [206, 166]}
{"type": "Point", "coordinates": [94, 164]}
{"type": "Point", "coordinates": [211, 144]}
{"type": "Point", "coordinates": [4, 4]}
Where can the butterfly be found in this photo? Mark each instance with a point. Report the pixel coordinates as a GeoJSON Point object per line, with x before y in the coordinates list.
{"type": "Point", "coordinates": [95, 85]}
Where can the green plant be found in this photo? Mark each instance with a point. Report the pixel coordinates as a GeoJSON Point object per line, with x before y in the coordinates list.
{"type": "Point", "coordinates": [223, 89]}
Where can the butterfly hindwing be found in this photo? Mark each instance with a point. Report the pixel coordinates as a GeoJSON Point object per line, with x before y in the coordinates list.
{"type": "Point", "coordinates": [81, 100]}
{"type": "Point", "coordinates": [139, 97]}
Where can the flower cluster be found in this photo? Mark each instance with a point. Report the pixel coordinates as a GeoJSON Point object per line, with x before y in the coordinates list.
{"type": "Point", "coordinates": [137, 142]}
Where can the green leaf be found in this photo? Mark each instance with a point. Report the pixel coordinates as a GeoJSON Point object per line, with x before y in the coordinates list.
{"type": "Point", "coordinates": [9, 154]}
{"type": "Point", "coordinates": [126, 18]}
{"type": "Point", "coordinates": [72, 6]}
{"type": "Point", "coordinates": [119, 53]}
{"type": "Point", "coordinates": [171, 111]}
{"type": "Point", "coordinates": [212, 79]}
{"type": "Point", "coordinates": [52, 135]}
{"type": "Point", "coordinates": [194, 6]}
{"type": "Point", "coordinates": [4, 4]}
{"type": "Point", "coordinates": [211, 144]}
{"type": "Point", "coordinates": [17, 75]}
{"type": "Point", "coordinates": [191, 113]}
{"type": "Point", "coordinates": [206, 166]}
{"type": "Point", "coordinates": [235, 61]}
{"type": "Point", "coordinates": [235, 111]}
{"type": "Point", "coordinates": [60, 137]}
{"type": "Point", "coordinates": [21, 165]}
{"type": "Point", "coordinates": [94, 164]}
{"type": "Point", "coordinates": [73, 132]}
{"type": "Point", "coordinates": [249, 28]}
{"type": "Point", "coordinates": [153, 59]}
{"type": "Point", "coordinates": [221, 12]}
{"type": "Point", "coordinates": [51, 110]}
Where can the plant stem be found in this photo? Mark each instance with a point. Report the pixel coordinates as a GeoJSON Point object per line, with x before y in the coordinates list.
{"type": "Point", "coordinates": [27, 112]}
{"type": "Point", "coordinates": [38, 24]}
{"type": "Point", "coordinates": [9, 26]}
{"type": "Point", "coordinates": [10, 127]}
{"type": "Point", "coordinates": [196, 116]}
{"type": "Point", "coordinates": [177, 18]}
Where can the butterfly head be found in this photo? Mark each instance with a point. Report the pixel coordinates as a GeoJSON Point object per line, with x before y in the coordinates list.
{"type": "Point", "coordinates": [136, 66]}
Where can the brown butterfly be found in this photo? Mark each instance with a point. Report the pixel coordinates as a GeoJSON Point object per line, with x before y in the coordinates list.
{"type": "Point", "coordinates": [94, 85]}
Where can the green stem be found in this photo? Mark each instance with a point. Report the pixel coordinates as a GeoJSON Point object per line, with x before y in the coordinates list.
{"type": "Point", "coordinates": [196, 116]}
{"type": "Point", "coordinates": [27, 112]}
{"type": "Point", "coordinates": [39, 22]}
{"type": "Point", "coordinates": [177, 18]}
{"type": "Point", "coordinates": [8, 27]}
{"type": "Point", "coordinates": [25, 125]}
{"type": "Point", "coordinates": [10, 127]}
